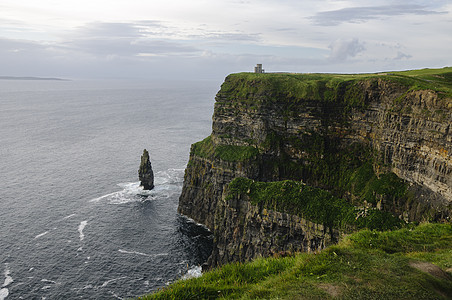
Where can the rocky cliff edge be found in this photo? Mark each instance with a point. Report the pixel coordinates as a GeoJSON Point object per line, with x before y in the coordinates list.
{"type": "Point", "coordinates": [296, 160]}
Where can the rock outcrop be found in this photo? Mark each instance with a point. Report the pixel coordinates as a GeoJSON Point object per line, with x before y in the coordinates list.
{"type": "Point", "coordinates": [380, 142]}
{"type": "Point", "coordinates": [145, 173]}
{"type": "Point", "coordinates": [247, 231]}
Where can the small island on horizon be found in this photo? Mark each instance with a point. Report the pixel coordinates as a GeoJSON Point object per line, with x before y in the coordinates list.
{"type": "Point", "coordinates": [31, 78]}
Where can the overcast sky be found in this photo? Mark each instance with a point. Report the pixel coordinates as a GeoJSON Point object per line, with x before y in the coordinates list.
{"type": "Point", "coordinates": [212, 38]}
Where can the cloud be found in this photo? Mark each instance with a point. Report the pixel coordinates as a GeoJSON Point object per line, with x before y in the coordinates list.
{"type": "Point", "coordinates": [125, 39]}
{"type": "Point", "coordinates": [363, 14]}
{"type": "Point", "coordinates": [230, 36]}
{"type": "Point", "coordinates": [103, 30]}
{"type": "Point", "coordinates": [342, 49]}
{"type": "Point", "coordinates": [401, 55]}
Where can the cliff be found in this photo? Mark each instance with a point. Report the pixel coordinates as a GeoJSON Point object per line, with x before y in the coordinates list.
{"type": "Point", "coordinates": [322, 155]}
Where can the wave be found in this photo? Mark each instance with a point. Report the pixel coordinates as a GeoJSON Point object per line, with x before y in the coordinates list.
{"type": "Point", "coordinates": [80, 229]}
{"type": "Point", "coordinates": [167, 183]}
{"type": "Point", "coordinates": [40, 235]}
{"type": "Point", "coordinates": [68, 217]}
{"type": "Point", "coordinates": [193, 273]}
{"type": "Point", "coordinates": [4, 292]}
{"type": "Point", "coordinates": [8, 278]}
{"type": "Point", "coordinates": [190, 220]}
{"type": "Point", "coordinates": [112, 280]}
{"type": "Point", "coordinates": [142, 254]}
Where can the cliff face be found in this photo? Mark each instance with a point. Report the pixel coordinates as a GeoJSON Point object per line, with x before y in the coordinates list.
{"type": "Point", "coordinates": [247, 231]}
{"type": "Point", "coordinates": [379, 142]}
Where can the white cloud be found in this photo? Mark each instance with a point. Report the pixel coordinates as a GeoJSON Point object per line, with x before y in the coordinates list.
{"type": "Point", "coordinates": [341, 50]}
{"type": "Point", "coordinates": [363, 14]}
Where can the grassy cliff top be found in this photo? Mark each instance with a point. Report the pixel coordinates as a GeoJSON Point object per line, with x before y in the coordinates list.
{"type": "Point", "coordinates": [404, 264]}
{"type": "Point", "coordinates": [333, 87]}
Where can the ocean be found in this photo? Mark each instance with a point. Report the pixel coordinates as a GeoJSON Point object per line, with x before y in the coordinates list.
{"type": "Point", "coordinates": [74, 223]}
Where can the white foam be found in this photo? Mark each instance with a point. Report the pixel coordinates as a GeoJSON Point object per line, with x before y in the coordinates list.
{"type": "Point", "coordinates": [102, 197]}
{"type": "Point", "coordinates": [170, 176]}
{"type": "Point", "coordinates": [116, 296]}
{"type": "Point", "coordinates": [194, 272]}
{"type": "Point", "coordinates": [112, 280]}
{"type": "Point", "coordinates": [129, 193]}
{"type": "Point", "coordinates": [197, 224]}
{"type": "Point", "coordinates": [40, 235]}
{"type": "Point", "coordinates": [166, 183]}
{"type": "Point", "coordinates": [49, 281]}
{"type": "Point", "coordinates": [8, 279]}
{"type": "Point", "coordinates": [70, 216]}
{"type": "Point", "coordinates": [80, 229]}
{"type": "Point", "coordinates": [143, 254]}
{"type": "Point", "coordinates": [4, 293]}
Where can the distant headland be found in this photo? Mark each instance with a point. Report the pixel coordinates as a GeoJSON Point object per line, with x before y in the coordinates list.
{"type": "Point", "coordinates": [30, 78]}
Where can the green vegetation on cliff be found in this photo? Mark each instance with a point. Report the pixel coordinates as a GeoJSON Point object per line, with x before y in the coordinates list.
{"type": "Point", "coordinates": [207, 149]}
{"type": "Point", "coordinates": [344, 88]}
{"type": "Point", "coordinates": [314, 204]}
{"type": "Point", "coordinates": [411, 263]}
{"type": "Point", "coordinates": [294, 88]}
{"type": "Point", "coordinates": [347, 171]}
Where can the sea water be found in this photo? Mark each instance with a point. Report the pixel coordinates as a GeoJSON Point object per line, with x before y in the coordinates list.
{"type": "Point", "coordinates": [74, 222]}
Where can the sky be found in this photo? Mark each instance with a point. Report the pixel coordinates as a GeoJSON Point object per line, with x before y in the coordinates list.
{"type": "Point", "coordinates": [209, 39]}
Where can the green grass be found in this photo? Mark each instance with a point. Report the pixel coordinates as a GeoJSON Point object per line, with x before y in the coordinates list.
{"type": "Point", "coordinates": [311, 203]}
{"type": "Point", "coordinates": [344, 88]}
{"type": "Point", "coordinates": [292, 88]}
{"type": "Point", "coordinates": [365, 265]}
{"type": "Point", "coordinates": [365, 185]}
{"type": "Point", "coordinates": [207, 149]}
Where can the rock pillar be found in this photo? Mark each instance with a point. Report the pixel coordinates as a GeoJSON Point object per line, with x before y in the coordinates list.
{"type": "Point", "coordinates": [145, 172]}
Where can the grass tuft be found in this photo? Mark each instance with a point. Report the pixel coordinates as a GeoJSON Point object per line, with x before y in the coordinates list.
{"type": "Point", "coordinates": [207, 149]}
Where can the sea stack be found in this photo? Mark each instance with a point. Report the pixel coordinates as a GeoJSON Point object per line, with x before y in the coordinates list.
{"type": "Point", "coordinates": [145, 172]}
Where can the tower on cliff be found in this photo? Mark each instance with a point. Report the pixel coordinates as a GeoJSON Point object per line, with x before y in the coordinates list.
{"type": "Point", "coordinates": [258, 69]}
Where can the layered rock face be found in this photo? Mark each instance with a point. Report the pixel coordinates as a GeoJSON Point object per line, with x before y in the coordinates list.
{"type": "Point", "coordinates": [247, 231]}
{"type": "Point", "coordinates": [413, 136]}
{"type": "Point", "coordinates": [347, 136]}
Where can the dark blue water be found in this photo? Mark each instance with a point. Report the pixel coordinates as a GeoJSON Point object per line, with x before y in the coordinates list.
{"type": "Point", "coordinates": [73, 221]}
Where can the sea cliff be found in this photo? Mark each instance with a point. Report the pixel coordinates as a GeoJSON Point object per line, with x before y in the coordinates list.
{"type": "Point", "coordinates": [294, 161]}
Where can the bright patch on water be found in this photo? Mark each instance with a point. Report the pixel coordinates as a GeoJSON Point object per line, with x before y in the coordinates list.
{"type": "Point", "coordinates": [4, 292]}
{"type": "Point", "coordinates": [70, 216]}
{"type": "Point", "coordinates": [112, 280]}
{"type": "Point", "coordinates": [167, 183]}
{"type": "Point", "coordinates": [142, 254]}
{"type": "Point", "coordinates": [194, 272]}
{"type": "Point", "coordinates": [80, 229]}
{"type": "Point", "coordinates": [40, 235]}
{"type": "Point", "coordinates": [8, 278]}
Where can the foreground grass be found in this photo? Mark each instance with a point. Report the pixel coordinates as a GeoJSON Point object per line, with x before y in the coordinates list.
{"type": "Point", "coordinates": [403, 264]}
